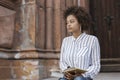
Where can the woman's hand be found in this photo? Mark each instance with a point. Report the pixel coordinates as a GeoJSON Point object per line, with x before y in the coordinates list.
{"type": "Point", "coordinates": [68, 76]}
{"type": "Point", "coordinates": [71, 76]}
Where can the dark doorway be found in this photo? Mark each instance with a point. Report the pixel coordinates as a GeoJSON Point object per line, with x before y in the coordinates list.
{"type": "Point", "coordinates": [106, 17]}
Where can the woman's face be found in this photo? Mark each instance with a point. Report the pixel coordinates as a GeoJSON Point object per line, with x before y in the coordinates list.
{"type": "Point", "coordinates": [72, 24]}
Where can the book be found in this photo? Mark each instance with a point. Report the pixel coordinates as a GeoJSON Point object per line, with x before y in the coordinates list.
{"type": "Point", "coordinates": [74, 70]}
{"type": "Point", "coordinates": [58, 73]}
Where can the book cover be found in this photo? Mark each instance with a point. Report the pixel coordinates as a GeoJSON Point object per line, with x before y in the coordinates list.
{"type": "Point", "coordinates": [74, 71]}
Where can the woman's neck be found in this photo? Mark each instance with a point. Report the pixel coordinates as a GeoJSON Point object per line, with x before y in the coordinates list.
{"type": "Point", "coordinates": [76, 34]}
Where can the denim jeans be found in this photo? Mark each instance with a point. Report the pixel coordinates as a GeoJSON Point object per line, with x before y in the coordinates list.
{"type": "Point", "coordinates": [77, 78]}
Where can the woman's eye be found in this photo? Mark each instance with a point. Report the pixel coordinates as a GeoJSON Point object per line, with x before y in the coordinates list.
{"type": "Point", "coordinates": [72, 21]}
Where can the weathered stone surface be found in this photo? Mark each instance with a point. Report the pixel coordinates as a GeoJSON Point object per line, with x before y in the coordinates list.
{"type": "Point", "coordinates": [69, 3]}
{"type": "Point", "coordinates": [27, 69]}
{"type": "Point", "coordinates": [49, 28]}
{"type": "Point", "coordinates": [5, 69]}
{"type": "Point", "coordinates": [41, 3]}
{"type": "Point", "coordinates": [5, 63]}
{"type": "Point", "coordinates": [38, 31]}
{"type": "Point", "coordinates": [57, 25]}
{"type": "Point", "coordinates": [24, 55]}
{"type": "Point", "coordinates": [46, 66]}
{"type": "Point", "coordinates": [8, 4]}
{"type": "Point", "coordinates": [63, 25]}
{"type": "Point", "coordinates": [49, 3]}
{"type": "Point", "coordinates": [7, 18]}
{"type": "Point", "coordinates": [19, 69]}
{"type": "Point", "coordinates": [27, 21]}
{"type": "Point", "coordinates": [5, 73]}
{"type": "Point", "coordinates": [75, 2]}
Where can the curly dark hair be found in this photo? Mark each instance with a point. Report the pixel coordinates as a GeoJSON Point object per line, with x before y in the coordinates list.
{"type": "Point", "coordinates": [81, 15]}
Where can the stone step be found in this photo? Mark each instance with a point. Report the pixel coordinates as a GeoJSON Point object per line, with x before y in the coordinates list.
{"type": "Point", "coordinates": [110, 68]}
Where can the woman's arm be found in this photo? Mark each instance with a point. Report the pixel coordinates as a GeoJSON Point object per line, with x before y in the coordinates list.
{"type": "Point", "coordinates": [95, 60]}
{"type": "Point", "coordinates": [62, 64]}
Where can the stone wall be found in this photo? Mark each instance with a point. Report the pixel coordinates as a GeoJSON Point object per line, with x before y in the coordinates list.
{"type": "Point", "coordinates": [17, 32]}
{"type": "Point", "coordinates": [31, 39]}
{"type": "Point", "coordinates": [19, 70]}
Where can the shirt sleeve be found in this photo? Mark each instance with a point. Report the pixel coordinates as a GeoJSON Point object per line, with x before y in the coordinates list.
{"type": "Point", "coordinates": [94, 68]}
{"type": "Point", "coordinates": [62, 63]}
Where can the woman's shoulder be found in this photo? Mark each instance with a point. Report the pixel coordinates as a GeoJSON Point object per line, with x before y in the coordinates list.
{"type": "Point", "coordinates": [91, 36]}
{"type": "Point", "coordinates": [91, 39]}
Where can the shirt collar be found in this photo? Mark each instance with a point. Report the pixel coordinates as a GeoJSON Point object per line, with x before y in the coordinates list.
{"type": "Point", "coordinates": [79, 37]}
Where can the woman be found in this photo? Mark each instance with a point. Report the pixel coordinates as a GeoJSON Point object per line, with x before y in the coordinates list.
{"type": "Point", "coordinates": [80, 50]}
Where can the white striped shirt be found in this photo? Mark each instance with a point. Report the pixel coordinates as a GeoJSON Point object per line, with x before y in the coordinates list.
{"type": "Point", "coordinates": [82, 52]}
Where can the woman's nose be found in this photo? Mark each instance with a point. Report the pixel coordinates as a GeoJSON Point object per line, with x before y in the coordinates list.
{"type": "Point", "coordinates": [68, 25]}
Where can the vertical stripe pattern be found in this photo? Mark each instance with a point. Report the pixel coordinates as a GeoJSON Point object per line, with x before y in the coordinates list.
{"type": "Point", "coordinates": [82, 52]}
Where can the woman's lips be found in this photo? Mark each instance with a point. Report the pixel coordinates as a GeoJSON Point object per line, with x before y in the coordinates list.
{"type": "Point", "coordinates": [69, 28]}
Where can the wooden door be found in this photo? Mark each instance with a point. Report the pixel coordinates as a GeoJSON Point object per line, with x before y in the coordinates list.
{"type": "Point", "coordinates": [106, 17]}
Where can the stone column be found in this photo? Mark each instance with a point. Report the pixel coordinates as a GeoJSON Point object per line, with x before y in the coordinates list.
{"type": "Point", "coordinates": [25, 41]}
{"type": "Point", "coordinates": [57, 24]}
{"type": "Point", "coordinates": [49, 24]}
{"type": "Point", "coordinates": [41, 25]}
{"type": "Point", "coordinates": [27, 20]}
{"type": "Point", "coordinates": [84, 3]}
